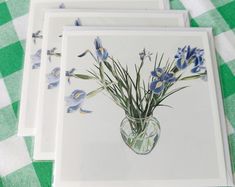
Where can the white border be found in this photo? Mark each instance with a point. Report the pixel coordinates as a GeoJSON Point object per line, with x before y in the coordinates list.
{"type": "Point", "coordinates": [221, 135]}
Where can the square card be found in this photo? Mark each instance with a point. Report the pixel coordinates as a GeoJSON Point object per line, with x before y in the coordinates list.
{"type": "Point", "coordinates": [140, 107]}
{"type": "Point", "coordinates": [46, 118]}
{"type": "Point", "coordinates": [34, 44]}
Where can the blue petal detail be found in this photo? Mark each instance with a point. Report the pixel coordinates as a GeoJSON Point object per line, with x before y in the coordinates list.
{"type": "Point", "coordinates": [75, 101]}
{"type": "Point", "coordinates": [53, 78]}
{"type": "Point", "coordinates": [157, 86]}
{"type": "Point", "coordinates": [77, 22]}
{"type": "Point", "coordinates": [102, 53]}
{"type": "Point", "coordinates": [36, 59]}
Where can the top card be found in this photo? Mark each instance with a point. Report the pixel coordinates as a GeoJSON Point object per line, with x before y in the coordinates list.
{"type": "Point", "coordinates": [140, 107]}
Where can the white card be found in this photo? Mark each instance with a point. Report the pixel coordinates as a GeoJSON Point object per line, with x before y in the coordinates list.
{"type": "Point", "coordinates": [34, 45]}
{"type": "Point", "coordinates": [46, 118]}
{"type": "Point", "coordinates": [96, 148]}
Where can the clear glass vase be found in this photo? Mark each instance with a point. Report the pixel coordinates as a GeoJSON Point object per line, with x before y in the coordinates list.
{"type": "Point", "coordinates": [140, 134]}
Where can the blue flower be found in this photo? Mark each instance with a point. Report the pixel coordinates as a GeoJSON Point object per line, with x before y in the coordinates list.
{"type": "Point", "coordinates": [145, 54]}
{"type": "Point", "coordinates": [183, 56]}
{"type": "Point", "coordinates": [36, 59]}
{"type": "Point", "coordinates": [158, 72]}
{"type": "Point", "coordinates": [75, 101]}
{"type": "Point", "coordinates": [62, 6]}
{"type": "Point", "coordinates": [161, 77]}
{"type": "Point", "coordinates": [77, 22]}
{"type": "Point", "coordinates": [70, 74]}
{"type": "Point", "coordinates": [199, 61]}
{"type": "Point", "coordinates": [53, 78]}
{"type": "Point", "coordinates": [102, 53]}
{"type": "Point", "coordinates": [36, 35]}
{"type": "Point", "coordinates": [157, 86]}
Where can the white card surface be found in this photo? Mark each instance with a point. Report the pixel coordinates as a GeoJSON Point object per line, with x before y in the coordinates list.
{"type": "Point", "coordinates": [34, 45]}
{"type": "Point", "coordinates": [46, 119]}
{"type": "Point", "coordinates": [192, 150]}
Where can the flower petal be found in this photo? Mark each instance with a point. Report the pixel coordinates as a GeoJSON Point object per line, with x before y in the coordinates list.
{"type": "Point", "coordinates": [157, 86]}
{"type": "Point", "coordinates": [98, 43]}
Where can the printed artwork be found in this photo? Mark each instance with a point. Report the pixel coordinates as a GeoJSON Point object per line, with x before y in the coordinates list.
{"type": "Point", "coordinates": [137, 97]}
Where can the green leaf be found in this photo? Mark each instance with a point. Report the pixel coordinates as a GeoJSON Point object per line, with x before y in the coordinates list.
{"type": "Point", "coordinates": [171, 92]}
{"type": "Point", "coordinates": [95, 92]}
{"type": "Point", "coordinates": [85, 77]}
{"type": "Point", "coordinates": [83, 54]}
{"type": "Point", "coordinates": [191, 77]}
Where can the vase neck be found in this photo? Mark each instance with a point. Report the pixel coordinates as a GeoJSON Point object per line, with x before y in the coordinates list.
{"type": "Point", "coordinates": [138, 118]}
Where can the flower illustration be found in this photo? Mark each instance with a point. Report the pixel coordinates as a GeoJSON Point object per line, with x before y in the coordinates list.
{"type": "Point", "coordinates": [70, 74]}
{"type": "Point", "coordinates": [53, 78]}
{"type": "Point", "coordinates": [52, 52]}
{"type": "Point", "coordinates": [102, 53]}
{"type": "Point", "coordinates": [62, 6]}
{"type": "Point", "coordinates": [36, 59]}
{"type": "Point", "coordinates": [36, 35]}
{"type": "Point", "coordinates": [145, 54]}
{"type": "Point", "coordinates": [75, 101]}
{"type": "Point", "coordinates": [160, 79]}
{"type": "Point", "coordinates": [183, 56]}
{"type": "Point", "coordinates": [137, 96]}
{"type": "Point", "coordinates": [199, 61]}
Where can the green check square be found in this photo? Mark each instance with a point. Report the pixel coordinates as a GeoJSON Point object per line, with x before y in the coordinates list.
{"type": "Point", "coordinates": [15, 107]}
{"type": "Point", "coordinates": [193, 23]}
{"type": "Point", "coordinates": [219, 59]}
{"type": "Point", "coordinates": [11, 58]}
{"type": "Point", "coordinates": [5, 15]}
{"type": "Point", "coordinates": [229, 104]}
{"type": "Point", "coordinates": [212, 19]}
{"type": "Point", "coordinates": [1, 184]}
{"type": "Point", "coordinates": [23, 44]}
{"type": "Point", "coordinates": [231, 65]}
{"type": "Point", "coordinates": [8, 34]}
{"type": "Point", "coordinates": [18, 8]}
{"type": "Point", "coordinates": [219, 3]}
{"type": "Point", "coordinates": [29, 141]}
{"type": "Point", "coordinates": [228, 82]}
{"type": "Point", "coordinates": [24, 177]}
{"type": "Point", "coordinates": [231, 139]}
{"type": "Point", "coordinates": [228, 12]}
{"type": "Point", "coordinates": [13, 84]}
{"type": "Point", "coordinates": [44, 172]}
{"type": "Point", "coordinates": [8, 122]}
{"type": "Point", "coordinates": [177, 5]}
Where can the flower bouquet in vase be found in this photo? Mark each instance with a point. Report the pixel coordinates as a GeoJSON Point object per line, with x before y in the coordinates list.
{"type": "Point", "coordinates": [138, 98]}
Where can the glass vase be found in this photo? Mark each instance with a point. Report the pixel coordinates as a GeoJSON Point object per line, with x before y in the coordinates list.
{"type": "Point", "coordinates": [140, 134]}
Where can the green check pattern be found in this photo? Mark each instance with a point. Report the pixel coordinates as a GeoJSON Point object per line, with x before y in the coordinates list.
{"type": "Point", "coordinates": [17, 169]}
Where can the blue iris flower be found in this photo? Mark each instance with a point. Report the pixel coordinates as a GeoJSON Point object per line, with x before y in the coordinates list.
{"type": "Point", "coordinates": [77, 22]}
{"type": "Point", "coordinates": [70, 74]}
{"type": "Point", "coordinates": [62, 6]}
{"type": "Point", "coordinates": [75, 101]}
{"type": "Point", "coordinates": [199, 61]}
{"type": "Point", "coordinates": [183, 56]}
{"type": "Point", "coordinates": [160, 79]}
{"type": "Point", "coordinates": [102, 53]}
{"type": "Point", "coordinates": [53, 78]}
{"type": "Point", "coordinates": [36, 59]}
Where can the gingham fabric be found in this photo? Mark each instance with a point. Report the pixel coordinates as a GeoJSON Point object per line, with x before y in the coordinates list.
{"type": "Point", "coordinates": [17, 169]}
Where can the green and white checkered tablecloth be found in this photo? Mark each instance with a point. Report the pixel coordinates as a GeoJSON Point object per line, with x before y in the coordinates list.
{"type": "Point", "coordinates": [17, 169]}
